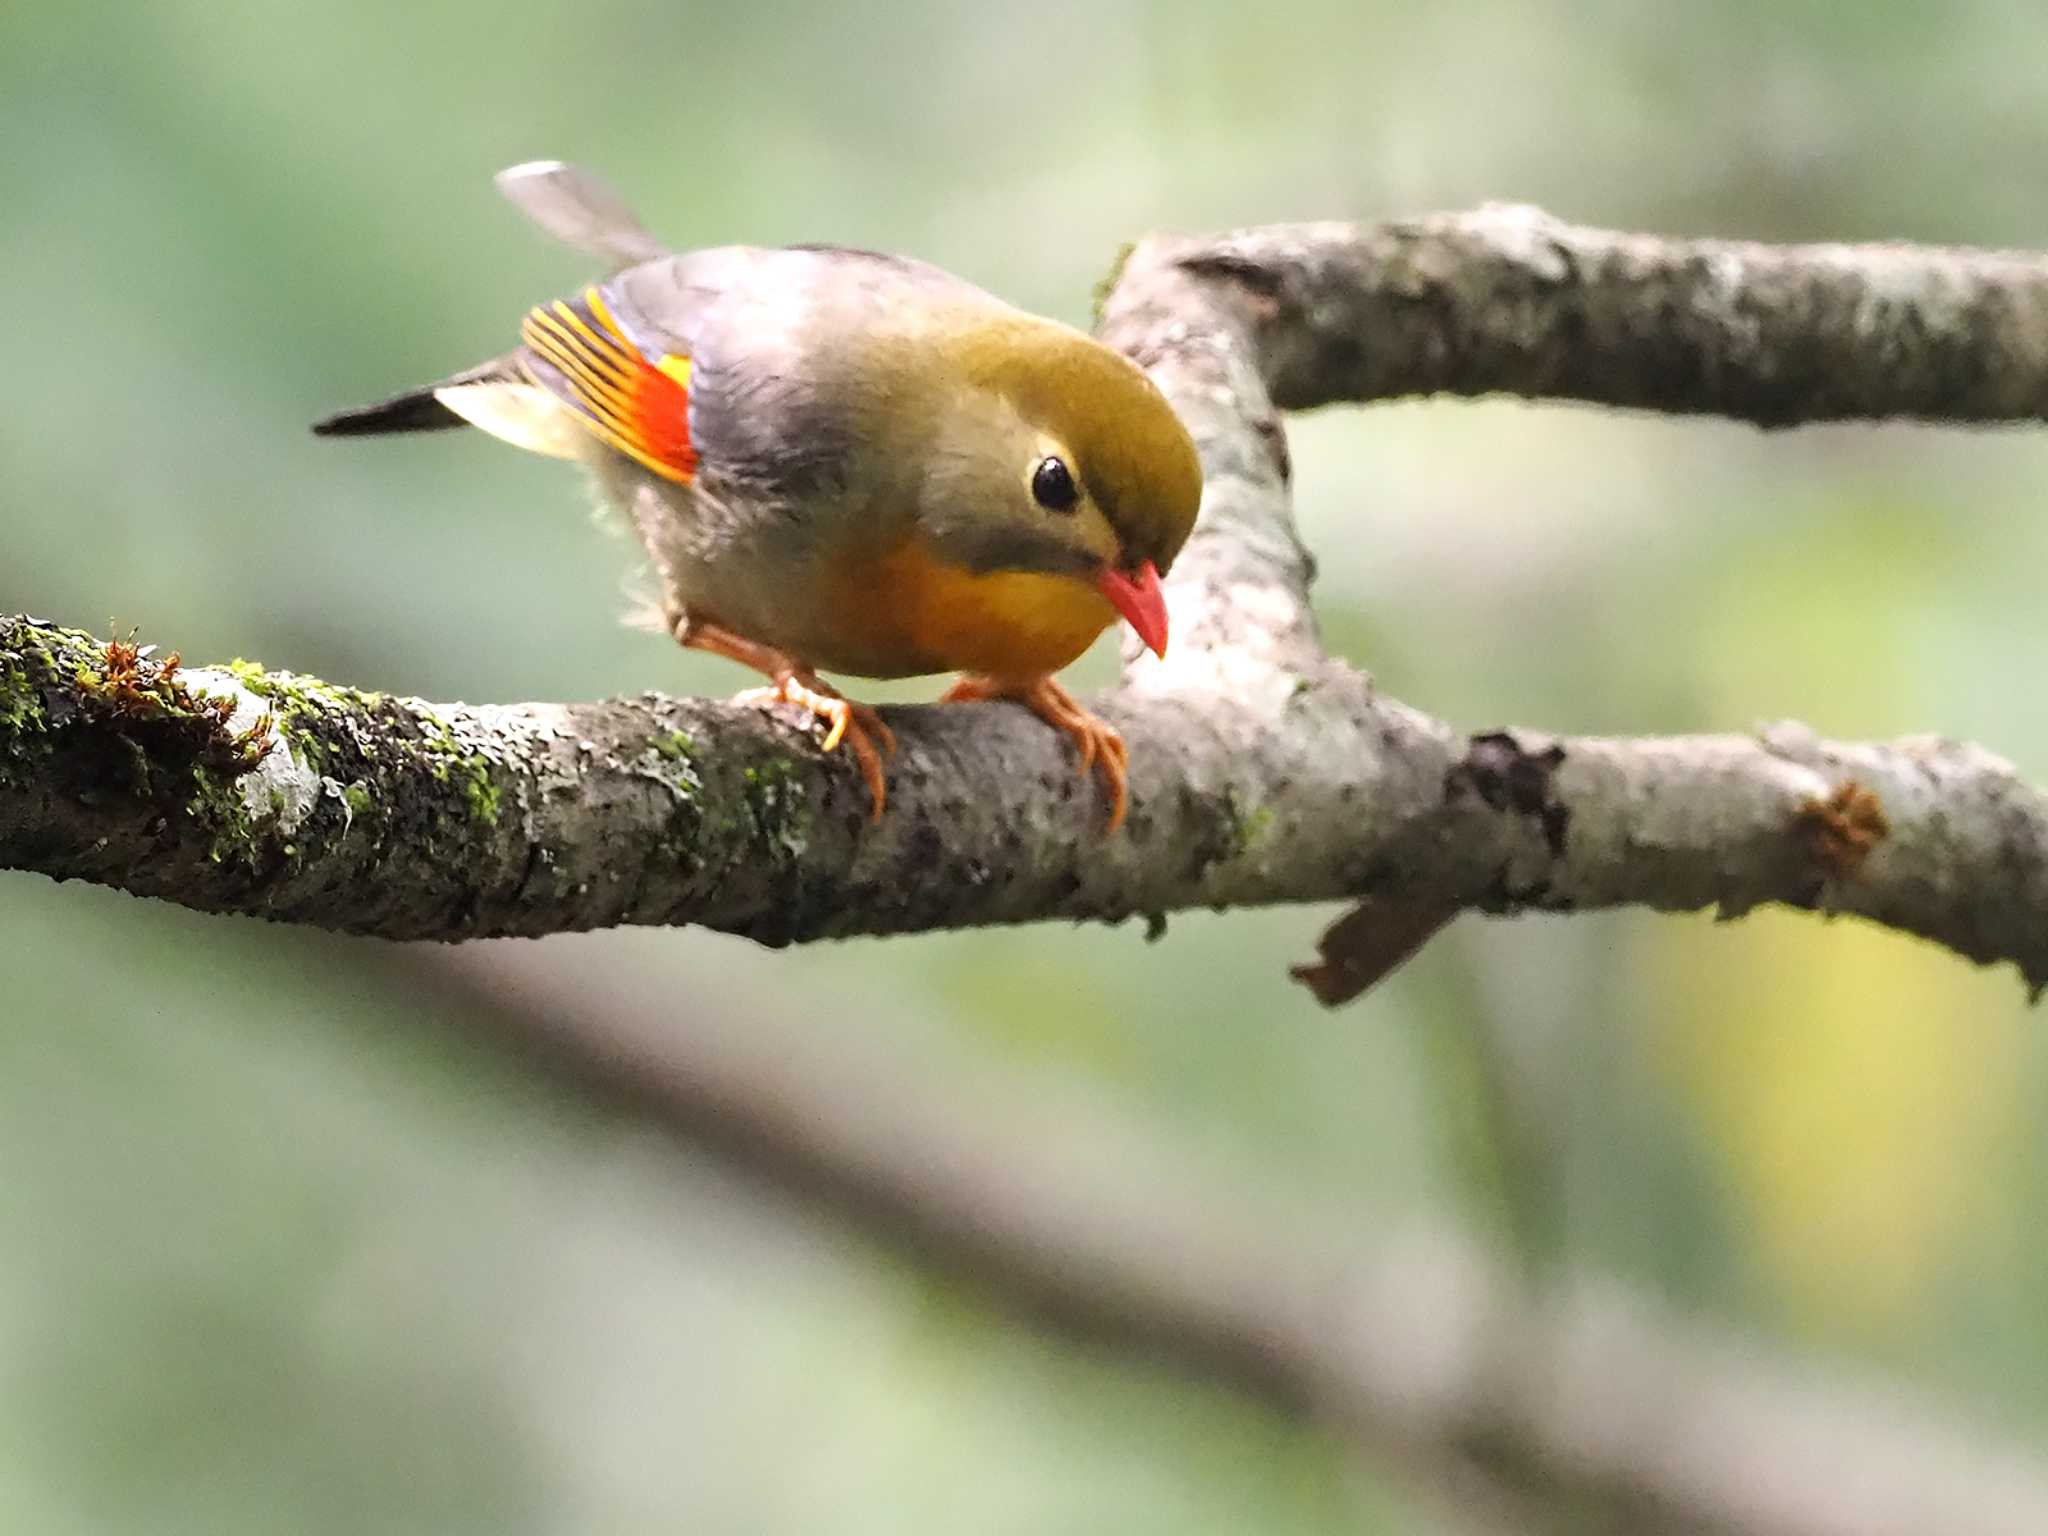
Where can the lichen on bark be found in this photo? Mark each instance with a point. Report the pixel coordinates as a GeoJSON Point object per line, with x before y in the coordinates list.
{"type": "Point", "coordinates": [1263, 770]}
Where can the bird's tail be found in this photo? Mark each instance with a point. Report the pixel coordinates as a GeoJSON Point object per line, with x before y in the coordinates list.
{"type": "Point", "coordinates": [578, 209]}
{"type": "Point", "coordinates": [419, 410]}
{"type": "Point", "coordinates": [497, 396]}
{"type": "Point", "coordinates": [501, 396]}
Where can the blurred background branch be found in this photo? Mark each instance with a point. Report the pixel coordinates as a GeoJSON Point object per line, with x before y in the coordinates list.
{"type": "Point", "coordinates": [1570, 1394]}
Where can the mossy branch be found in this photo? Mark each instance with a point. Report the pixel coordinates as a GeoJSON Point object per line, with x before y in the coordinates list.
{"type": "Point", "coordinates": [235, 789]}
{"type": "Point", "coordinates": [238, 790]}
{"type": "Point", "coordinates": [1263, 771]}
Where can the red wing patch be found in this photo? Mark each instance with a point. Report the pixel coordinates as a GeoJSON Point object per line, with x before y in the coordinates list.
{"type": "Point", "coordinates": [577, 352]}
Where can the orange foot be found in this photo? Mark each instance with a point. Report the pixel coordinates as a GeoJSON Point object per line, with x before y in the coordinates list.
{"type": "Point", "coordinates": [1100, 746]}
{"type": "Point", "coordinates": [860, 726]}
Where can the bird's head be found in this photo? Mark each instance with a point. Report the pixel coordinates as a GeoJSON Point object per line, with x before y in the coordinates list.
{"type": "Point", "coordinates": [1058, 459]}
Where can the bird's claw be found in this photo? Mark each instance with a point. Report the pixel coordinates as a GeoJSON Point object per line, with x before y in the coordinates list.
{"type": "Point", "coordinates": [1094, 738]}
{"type": "Point", "coordinates": [860, 726]}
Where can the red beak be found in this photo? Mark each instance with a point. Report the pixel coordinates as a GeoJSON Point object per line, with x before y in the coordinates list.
{"type": "Point", "coordinates": [1138, 598]}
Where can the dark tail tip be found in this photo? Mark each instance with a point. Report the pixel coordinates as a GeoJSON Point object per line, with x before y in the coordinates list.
{"type": "Point", "coordinates": [414, 411]}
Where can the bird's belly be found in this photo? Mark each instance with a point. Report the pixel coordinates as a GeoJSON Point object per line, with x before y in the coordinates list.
{"type": "Point", "coordinates": [848, 606]}
{"type": "Point", "coordinates": [905, 614]}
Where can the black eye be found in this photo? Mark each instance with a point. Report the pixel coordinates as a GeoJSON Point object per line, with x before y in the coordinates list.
{"type": "Point", "coordinates": [1052, 484]}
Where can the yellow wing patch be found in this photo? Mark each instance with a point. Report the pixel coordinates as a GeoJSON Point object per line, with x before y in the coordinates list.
{"type": "Point", "coordinates": [579, 353]}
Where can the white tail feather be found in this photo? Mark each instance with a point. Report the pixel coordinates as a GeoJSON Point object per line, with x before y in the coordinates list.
{"type": "Point", "coordinates": [524, 415]}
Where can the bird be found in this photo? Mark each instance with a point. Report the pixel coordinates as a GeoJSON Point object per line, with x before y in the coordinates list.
{"type": "Point", "coordinates": [840, 460]}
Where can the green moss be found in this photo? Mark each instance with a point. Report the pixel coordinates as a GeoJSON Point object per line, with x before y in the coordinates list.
{"type": "Point", "coordinates": [480, 793]}
{"type": "Point", "coordinates": [780, 809]}
{"type": "Point", "coordinates": [309, 711]}
{"type": "Point", "coordinates": [294, 692]}
{"type": "Point", "coordinates": [1244, 825]}
{"type": "Point", "coordinates": [21, 701]}
{"type": "Point", "coordinates": [1107, 284]}
{"type": "Point", "coordinates": [23, 723]}
{"type": "Point", "coordinates": [669, 761]}
{"type": "Point", "coordinates": [217, 805]}
{"type": "Point", "coordinates": [1254, 827]}
{"type": "Point", "coordinates": [114, 717]}
{"type": "Point", "coordinates": [453, 761]}
{"type": "Point", "coordinates": [26, 668]}
{"type": "Point", "coordinates": [145, 704]}
{"type": "Point", "coordinates": [143, 689]}
{"type": "Point", "coordinates": [301, 706]}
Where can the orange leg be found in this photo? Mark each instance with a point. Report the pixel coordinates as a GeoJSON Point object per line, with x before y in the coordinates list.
{"type": "Point", "coordinates": [1100, 746]}
{"type": "Point", "coordinates": [791, 682]}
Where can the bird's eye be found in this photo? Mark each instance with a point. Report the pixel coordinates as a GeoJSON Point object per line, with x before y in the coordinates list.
{"type": "Point", "coordinates": [1052, 486]}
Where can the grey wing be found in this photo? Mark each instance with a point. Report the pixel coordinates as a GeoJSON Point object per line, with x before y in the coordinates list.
{"type": "Point", "coordinates": [778, 391]}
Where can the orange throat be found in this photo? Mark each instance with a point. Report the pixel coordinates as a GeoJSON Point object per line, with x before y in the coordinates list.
{"type": "Point", "coordinates": [910, 613]}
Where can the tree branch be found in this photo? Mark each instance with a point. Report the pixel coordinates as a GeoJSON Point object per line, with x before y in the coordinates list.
{"type": "Point", "coordinates": [1509, 300]}
{"type": "Point", "coordinates": [1263, 771]}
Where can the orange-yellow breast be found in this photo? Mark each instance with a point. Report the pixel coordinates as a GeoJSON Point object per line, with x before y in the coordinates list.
{"type": "Point", "coordinates": [907, 613]}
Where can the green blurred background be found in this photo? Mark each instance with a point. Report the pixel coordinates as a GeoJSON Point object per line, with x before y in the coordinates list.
{"type": "Point", "coordinates": [277, 1253]}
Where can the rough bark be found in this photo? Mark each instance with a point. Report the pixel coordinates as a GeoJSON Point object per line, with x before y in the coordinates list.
{"type": "Point", "coordinates": [1263, 771]}
{"type": "Point", "coordinates": [1509, 300]}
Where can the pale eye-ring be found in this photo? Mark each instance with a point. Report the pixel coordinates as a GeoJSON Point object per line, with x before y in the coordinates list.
{"type": "Point", "coordinates": [1052, 485]}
